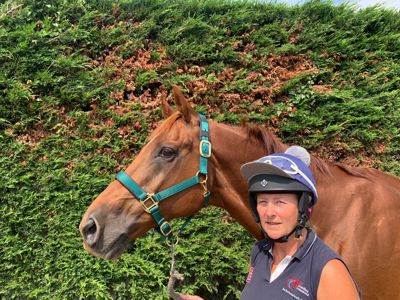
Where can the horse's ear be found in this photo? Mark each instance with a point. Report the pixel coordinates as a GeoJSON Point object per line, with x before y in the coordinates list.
{"type": "Point", "coordinates": [182, 104]}
{"type": "Point", "coordinates": [165, 107]}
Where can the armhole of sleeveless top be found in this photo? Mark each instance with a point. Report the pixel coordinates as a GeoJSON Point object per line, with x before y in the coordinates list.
{"type": "Point", "coordinates": [352, 277]}
{"type": "Point", "coordinates": [316, 266]}
{"type": "Point", "coordinates": [317, 278]}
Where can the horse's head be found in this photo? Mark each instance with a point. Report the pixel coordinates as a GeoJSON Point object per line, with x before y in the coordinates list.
{"type": "Point", "coordinates": [171, 156]}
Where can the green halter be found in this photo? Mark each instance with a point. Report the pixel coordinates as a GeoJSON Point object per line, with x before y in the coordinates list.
{"type": "Point", "coordinates": [150, 201]}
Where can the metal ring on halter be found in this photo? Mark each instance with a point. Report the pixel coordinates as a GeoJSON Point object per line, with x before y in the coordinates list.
{"type": "Point", "coordinates": [170, 241]}
{"type": "Point", "coordinates": [203, 182]}
{"type": "Point", "coordinates": [205, 177]}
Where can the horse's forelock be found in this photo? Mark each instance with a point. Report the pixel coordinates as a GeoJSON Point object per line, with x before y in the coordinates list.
{"type": "Point", "coordinates": [167, 124]}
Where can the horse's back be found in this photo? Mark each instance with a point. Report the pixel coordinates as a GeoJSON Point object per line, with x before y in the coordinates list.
{"type": "Point", "coordinates": [365, 232]}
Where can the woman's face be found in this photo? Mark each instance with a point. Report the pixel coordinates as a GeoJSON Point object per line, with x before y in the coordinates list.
{"type": "Point", "coordinates": [278, 213]}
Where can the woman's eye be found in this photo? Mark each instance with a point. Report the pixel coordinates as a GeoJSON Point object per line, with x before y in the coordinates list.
{"type": "Point", "coordinates": [262, 203]}
{"type": "Point", "coordinates": [167, 153]}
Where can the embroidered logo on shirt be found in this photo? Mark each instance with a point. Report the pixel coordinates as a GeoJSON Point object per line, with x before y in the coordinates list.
{"type": "Point", "coordinates": [295, 284]}
{"type": "Point", "coordinates": [250, 275]}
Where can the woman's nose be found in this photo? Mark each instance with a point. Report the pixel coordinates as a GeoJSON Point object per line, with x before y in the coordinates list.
{"type": "Point", "coordinates": [268, 210]}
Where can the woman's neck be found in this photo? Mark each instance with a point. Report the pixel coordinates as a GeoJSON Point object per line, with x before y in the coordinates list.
{"type": "Point", "coordinates": [289, 248]}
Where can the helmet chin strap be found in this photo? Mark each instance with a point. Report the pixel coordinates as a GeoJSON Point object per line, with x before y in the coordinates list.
{"type": "Point", "coordinates": [285, 238]}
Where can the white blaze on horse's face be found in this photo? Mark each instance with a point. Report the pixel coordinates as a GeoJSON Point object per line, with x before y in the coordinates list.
{"type": "Point", "coordinates": [116, 217]}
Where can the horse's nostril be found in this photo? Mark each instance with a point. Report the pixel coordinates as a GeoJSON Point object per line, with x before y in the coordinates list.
{"type": "Point", "coordinates": [90, 232]}
{"type": "Point", "coordinates": [91, 226]}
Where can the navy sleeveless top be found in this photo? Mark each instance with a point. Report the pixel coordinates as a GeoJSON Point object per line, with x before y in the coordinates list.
{"type": "Point", "coordinates": [300, 279]}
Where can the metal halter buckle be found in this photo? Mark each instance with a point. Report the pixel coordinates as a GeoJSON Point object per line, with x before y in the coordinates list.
{"type": "Point", "coordinates": [153, 203]}
{"type": "Point", "coordinates": [208, 147]}
{"type": "Point", "coordinates": [162, 230]}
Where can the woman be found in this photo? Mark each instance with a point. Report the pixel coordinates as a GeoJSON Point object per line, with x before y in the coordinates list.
{"type": "Point", "coordinates": [291, 262]}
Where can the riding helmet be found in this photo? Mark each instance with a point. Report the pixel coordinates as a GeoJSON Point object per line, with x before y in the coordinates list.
{"type": "Point", "coordinates": [283, 173]}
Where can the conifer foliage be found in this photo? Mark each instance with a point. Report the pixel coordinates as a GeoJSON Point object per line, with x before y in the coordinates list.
{"type": "Point", "coordinates": [80, 84]}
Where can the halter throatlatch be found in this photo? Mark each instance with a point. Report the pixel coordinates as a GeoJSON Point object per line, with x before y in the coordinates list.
{"type": "Point", "coordinates": [151, 201]}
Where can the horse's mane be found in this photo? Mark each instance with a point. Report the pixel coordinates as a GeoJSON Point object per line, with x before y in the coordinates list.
{"type": "Point", "coordinates": [324, 168]}
{"type": "Point", "coordinates": [356, 171]}
{"type": "Point", "coordinates": [320, 165]}
{"type": "Point", "coordinates": [272, 144]}
{"type": "Point", "coordinates": [268, 140]}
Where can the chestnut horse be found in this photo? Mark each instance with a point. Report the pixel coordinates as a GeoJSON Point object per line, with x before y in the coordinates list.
{"type": "Point", "coordinates": [357, 213]}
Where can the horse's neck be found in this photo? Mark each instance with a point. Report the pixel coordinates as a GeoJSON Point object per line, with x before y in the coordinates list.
{"type": "Point", "coordinates": [232, 147]}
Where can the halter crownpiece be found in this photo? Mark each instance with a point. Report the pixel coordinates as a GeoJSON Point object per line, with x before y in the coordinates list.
{"type": "Point", "coordinates": [150, 201]}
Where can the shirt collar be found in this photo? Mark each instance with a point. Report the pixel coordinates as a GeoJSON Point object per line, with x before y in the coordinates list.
{"type": "Point", "coordinates": [266, 245]}
{"type": "Point", "coordinates": [306, 246]}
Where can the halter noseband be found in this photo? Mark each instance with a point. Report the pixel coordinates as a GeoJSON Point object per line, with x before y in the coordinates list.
{"type": "Point", "coordinates": [150, 201]}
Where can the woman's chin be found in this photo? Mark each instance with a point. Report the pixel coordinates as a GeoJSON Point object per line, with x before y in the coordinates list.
{"type": "Point", "coordinates": [274, 234]}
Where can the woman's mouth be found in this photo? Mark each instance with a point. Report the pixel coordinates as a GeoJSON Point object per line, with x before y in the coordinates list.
{"type": "Point", "coordinates": [273, 223]}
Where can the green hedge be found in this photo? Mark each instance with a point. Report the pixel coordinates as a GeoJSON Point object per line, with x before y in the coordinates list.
{"type": "Point", "coordinates": [63, 135]}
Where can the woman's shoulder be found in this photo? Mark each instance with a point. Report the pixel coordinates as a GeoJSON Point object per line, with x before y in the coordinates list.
{"type": "Point", "coordinates": [336, 271]}
{"type": "Point", "coordinates": [262, 246]}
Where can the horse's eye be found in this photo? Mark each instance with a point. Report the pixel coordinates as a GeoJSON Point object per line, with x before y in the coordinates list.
{"type": "Point", "coordinates": [167, 153]}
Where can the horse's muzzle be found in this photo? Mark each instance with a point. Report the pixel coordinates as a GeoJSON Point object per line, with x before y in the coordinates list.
{"type": "Point", "coordinates": [102, 239]}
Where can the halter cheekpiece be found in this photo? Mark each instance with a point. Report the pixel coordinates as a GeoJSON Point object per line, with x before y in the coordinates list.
{"type": "Point", "coordinates": [151, 201]}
